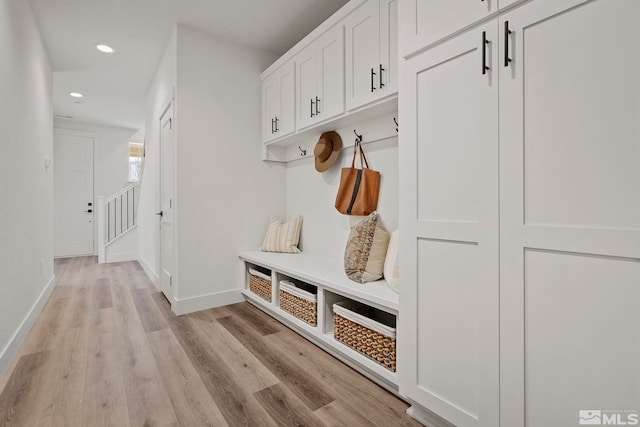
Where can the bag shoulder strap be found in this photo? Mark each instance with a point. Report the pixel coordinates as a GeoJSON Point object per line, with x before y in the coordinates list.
{"type": "Point", "coordinates": [363, 158]}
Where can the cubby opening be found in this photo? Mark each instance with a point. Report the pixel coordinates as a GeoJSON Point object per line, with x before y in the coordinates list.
{"type": "Point", "coordinates": [298, 298]}
{"type": "Point", "coordinates": [365, 329]}
{"type": "Point", "coordinates": [259, 281]}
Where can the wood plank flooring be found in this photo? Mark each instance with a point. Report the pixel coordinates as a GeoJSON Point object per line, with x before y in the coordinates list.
{"type": "Point", "coordinates": [107, 351]}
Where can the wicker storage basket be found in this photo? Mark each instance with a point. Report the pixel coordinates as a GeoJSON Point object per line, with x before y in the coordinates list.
{"type": "Point", "coordinates": [366, 330]}
{"type": "Point", "coordinates": [260, 284]}
{"type": "Point", "coordinates": [299, 300]}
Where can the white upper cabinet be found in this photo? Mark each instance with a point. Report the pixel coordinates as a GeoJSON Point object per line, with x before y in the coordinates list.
{"type": "Point", "coordinates": [371, 52]}
{"type": "Point", "coordinates": [424, 22]}
{"type": "Point", "coordinates": [278, 103]}
{"type": "Point", "coordinates": [320, 79]}
{"type": "Point", "coordinates": [389, 45]}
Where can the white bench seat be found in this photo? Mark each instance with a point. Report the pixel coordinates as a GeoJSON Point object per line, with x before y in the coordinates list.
{"type": "Point", "coordinates": [327, 273]}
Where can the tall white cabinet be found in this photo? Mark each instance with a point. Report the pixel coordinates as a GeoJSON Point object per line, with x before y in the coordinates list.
{"type": "Point", "coordinates": [449, 214]}
{"type": "Point", "coordinates": [570, 211]}
{"type": "Point", "coordinates": [520, 223]}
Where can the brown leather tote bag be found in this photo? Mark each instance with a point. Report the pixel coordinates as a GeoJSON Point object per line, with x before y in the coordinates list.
{"type": "Point", "coordinates": [359, 188]}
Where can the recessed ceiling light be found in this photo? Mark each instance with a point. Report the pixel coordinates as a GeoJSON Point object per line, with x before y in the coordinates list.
{"type": "Point", "coordinates": [104, 48]}
{"type": "Point", "coordinates": [76, 94]}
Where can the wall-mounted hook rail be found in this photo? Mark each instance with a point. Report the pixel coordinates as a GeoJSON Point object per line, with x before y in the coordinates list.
{"type": "Point", "coordinates": [302, 152]}
{"type": "Point", "coordinates": [358, 137]}
{"type": "Point", "coordinates": [396, 122]}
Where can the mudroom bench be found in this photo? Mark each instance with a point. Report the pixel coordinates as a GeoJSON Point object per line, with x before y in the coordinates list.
{"type": "Point", "coordinates": [300, 290]}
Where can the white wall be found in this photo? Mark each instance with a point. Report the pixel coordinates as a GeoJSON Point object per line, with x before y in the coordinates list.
{"type": "Point", "coordinates": [225, 193]}
{"type": "Point", "coordinates": [312, 194]}
{"type": "Point", "coordinates": [159, 94]}
{"type": "Point", "coordinates": [26, 187]}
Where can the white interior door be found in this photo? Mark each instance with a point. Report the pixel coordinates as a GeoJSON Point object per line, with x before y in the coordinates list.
{"type": "Point", "coordinates": [73, 195]}
{"type": "Point", "coordinates": [167, 188]}
{"type": "Point", "coordinates": [570, 213]}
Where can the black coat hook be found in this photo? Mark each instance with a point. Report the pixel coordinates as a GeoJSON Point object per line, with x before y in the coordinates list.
{"type": "Point", "coordinates": [358, 137]}
{"type": "Point", "coordinates": [302, 152]}
{"type": "Point", "coordinates": [396, 122]}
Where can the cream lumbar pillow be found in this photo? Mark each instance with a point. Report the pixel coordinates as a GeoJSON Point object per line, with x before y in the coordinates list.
{"type": "Point", "coordinates": [366, 250]}
{"type": "Point", "coordinates": [282, 237]}
{"type": "Point", "coordinates": [391, 263]}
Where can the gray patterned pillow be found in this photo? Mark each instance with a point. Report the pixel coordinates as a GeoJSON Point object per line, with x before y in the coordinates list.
{"type": "Point", "coordinates": [366, 250]}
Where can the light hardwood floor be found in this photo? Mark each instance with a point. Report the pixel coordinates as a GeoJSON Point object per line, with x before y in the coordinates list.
{"type": "Point", "coordinates": [107, 350]}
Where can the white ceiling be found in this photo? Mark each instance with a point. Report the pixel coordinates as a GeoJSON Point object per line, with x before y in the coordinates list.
{"type": "Point", "coordinates": [115, 85]}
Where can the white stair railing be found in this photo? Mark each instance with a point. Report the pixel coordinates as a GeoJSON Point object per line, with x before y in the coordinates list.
{"type": "Point", "coordinates": [116, 216]}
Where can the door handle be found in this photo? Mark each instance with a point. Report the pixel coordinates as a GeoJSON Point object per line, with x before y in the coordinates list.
{"type": "Point", "coordinates": [507, 33]}
{"type": "Point", "coordinates": [381, 70]}
{"type": "Point", "coordinates": [485, 42]}
{"type": "Point", "coordinates": [159, 213]}
{"type": "Point", "coordinates": [373, 73]}
{"type": "Point", "coordinates": [277, 130]}
{"type": "Point", "coordinates": [317, 104]}
{"type": "Point", "coordinates": [312, 107]}
{"type": "Point", "coordinates": [89, 211]}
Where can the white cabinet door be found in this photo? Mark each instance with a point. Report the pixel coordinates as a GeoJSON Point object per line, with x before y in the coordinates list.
{"type": "Point", "coordinates": [389, 46]}
{"type": "Point", "coordinates": [270, 100]}
{"type": "Point", "coordinates": [320, 79]}
{"type": "Point", "coordinates": [449, 304]}
{"type": "Point", "coordinates": [285, 114]}
{"type": "Point", "coordinates": [363, 65]}
{"type": "Point", "coordinates": [424, 22]}
{"type": "Point", "coordinates": [330, 84]}
{"type": "Point", "coordinates": [306, 86]}
{"type": "Point", "coordinates": [278, 101]}
{"type": "Point", "coordinates": [371, 52]}
{"type": "Point", "coordinates": [570, 212]}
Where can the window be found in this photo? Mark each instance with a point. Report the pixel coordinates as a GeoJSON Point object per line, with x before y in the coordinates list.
{"type": "Point", "coordinates": [136, 153]}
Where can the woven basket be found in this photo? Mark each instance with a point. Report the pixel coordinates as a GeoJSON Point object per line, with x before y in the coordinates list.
{"type": "Point", "coordinates": [374, 345]}
{"type": "Point", "coordinates": [260, 286]}
{"type": "Point", "coordinates": [299, 307]}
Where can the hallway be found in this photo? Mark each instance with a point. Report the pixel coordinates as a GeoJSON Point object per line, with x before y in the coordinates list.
{"type": "Point", "coordinates": [107, 350]}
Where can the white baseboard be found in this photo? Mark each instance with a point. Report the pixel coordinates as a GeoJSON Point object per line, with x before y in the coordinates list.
{"type": "Point", "coordinates": [147, 269]}
{"type": "Point", "coordinates": [426, 417]}
{"type": "Point", "coordinates": [203, 302]}
{"type": "Point", "coordinates": [10, 350]}
{"type": "Point", "coordinates": [120, 257]}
